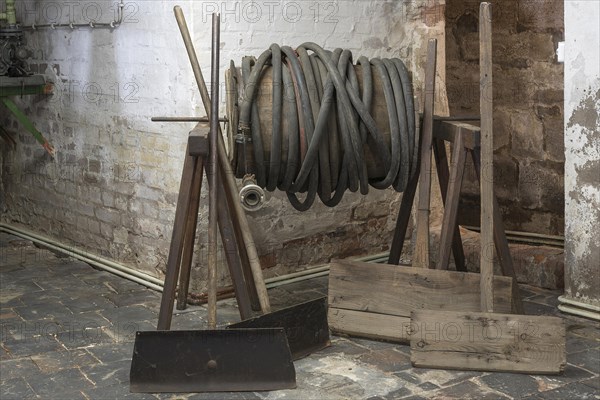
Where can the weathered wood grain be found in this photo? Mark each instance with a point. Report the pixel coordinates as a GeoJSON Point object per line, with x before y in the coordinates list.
{"type": "Point", "coordinates": [421, 252]}
{"type": "Point", "coordinates": [488, 342]}
{"type": "Point", "coordinates": [375, 300]}
{"type": "Point", "coordinates": [398, 290]}
{"type": "Point", "coordinates": [370, 325]}
{"type": "Point", "coordinates": [487, 157]}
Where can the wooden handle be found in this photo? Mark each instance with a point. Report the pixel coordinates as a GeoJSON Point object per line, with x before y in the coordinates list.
{"type": "Point", "coordinates": [487, 158]}
{"type": "Point", "coordinates": [421, 253]}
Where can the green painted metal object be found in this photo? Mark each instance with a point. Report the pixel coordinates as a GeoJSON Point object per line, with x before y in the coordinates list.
{"type": "Point", "coordinates": [6, 91]}
{"type": "Point", "coordinates": [26, 86]}
{"type": "Point", "coordinates": [10, 15]}
{"type": "Point", "coordinates": [28, 124]}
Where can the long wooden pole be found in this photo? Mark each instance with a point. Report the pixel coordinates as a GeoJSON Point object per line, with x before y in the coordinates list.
{"type": "Point", "coordinates": [487, 158]}
{"type": "Point", "coordinates": [228, 176]}
{"type": "Point", "coordinates": [214, 174]}
{"type": "Point", "coordinates": [421, 254]}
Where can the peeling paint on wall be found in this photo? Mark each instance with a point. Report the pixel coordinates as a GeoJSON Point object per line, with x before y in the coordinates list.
{"type": "Point", "coordinates": [582, 152]}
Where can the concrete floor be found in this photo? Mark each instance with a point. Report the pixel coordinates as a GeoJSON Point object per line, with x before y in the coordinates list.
{"type": "Point", "coordinates": [67, 332]}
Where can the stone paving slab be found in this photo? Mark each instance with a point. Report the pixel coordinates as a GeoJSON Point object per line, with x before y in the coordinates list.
{"type": "Point", "coordinates": [67, 332]}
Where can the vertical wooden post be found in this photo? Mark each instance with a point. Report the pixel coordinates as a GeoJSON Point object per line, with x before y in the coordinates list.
{"type": "Point", "coordinates": [421, 253]}
{"type": "Point", "coordinates": [487, 157]}
{"type": "Point", "coordinates": [502, 249]}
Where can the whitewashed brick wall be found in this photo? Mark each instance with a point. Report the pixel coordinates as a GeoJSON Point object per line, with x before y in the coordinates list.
{"type": "Point", "coordinates": [113, 185]}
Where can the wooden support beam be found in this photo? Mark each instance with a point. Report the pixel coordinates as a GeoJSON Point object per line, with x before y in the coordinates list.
{"type": "Point", "coordinates": [450, 184]}
{"type": "Point", "coordinates": [449, 130]}
{"type": "Point", "coordinates": [403, 219]}
{"type": "Point", "coordinates": [174, 260]}
{"type": "Point", "coordinates": [190, 237]}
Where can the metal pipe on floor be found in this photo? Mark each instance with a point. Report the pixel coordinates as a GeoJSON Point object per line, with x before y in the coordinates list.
{"type": "Point", "coordinates": [528, 237]}
{"type": "Point", "coordinates": [100, 262]}
{"type": "Point", "coordinates": [319, 270]}
{"type": "Point", "coordinates": [271, 285]}
{"type": "Point", "coordinates": [155, 283]}
{"type": "Point", "coordinates": [575, 307]}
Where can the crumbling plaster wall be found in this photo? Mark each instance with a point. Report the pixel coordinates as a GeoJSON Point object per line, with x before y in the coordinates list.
{"type": "Point", "coordinates": [113, 185]}
{"type": "Point", "coordinates": [582, 152]}
{"type": "Point", "coordinates": [528, 107]}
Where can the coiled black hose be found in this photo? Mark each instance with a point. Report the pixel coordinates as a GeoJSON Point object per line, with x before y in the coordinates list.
{"type": "Point", "coordinates": [318, 103]}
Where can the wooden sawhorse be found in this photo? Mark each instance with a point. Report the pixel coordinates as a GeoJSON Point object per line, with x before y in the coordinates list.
{"type": "Point", "coordinates": [465, 138]}
{"type": "Point", "coordinates": [183, 237]}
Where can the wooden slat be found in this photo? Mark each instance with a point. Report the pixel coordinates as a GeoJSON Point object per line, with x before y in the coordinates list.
{"type": "Point", "coordinates": [488, 342]}
{"type": "Point", "coordinates": [394, 290]}
{"type": "Point", "coordinates": [369, 325]}
{"type": "Point", "coordinates": [487, 155]}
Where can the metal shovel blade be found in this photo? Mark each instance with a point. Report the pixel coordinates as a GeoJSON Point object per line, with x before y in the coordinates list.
{"type": "Point", "coordinates": [305, 325]}
{"type": "Point", "coordinates": [211, 361]}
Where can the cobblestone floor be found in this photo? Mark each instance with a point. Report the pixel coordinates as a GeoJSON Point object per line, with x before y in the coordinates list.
{"type": "Point", "coordinates": [67, 332]}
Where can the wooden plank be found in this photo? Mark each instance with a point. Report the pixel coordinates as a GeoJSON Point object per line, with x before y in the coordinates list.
{"type": "Point", "coordinates": [488, 342]}
{"type": "Point", "coordinates": [421, 251]}
{"type": "Point", "coordinates": [394, 290]}
{"type": "Point", "coordinates": [487, 155]}
{"type": "Point", "coordinates": [370, 325]}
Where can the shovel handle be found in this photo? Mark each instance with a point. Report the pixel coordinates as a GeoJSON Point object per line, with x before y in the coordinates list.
{"type": "Point", "coordinates": [487, 158]}
{"type": "Point", "coordinates": [213, 171]}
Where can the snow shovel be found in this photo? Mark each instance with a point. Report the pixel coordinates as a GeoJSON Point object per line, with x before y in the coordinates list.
{"type": "Point", "coordinates": [211, 361]}
{"type": "Point", "coordinates": [305, 325]}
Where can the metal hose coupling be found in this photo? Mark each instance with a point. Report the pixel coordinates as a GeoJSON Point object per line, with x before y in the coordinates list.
{"type": "Point", "coordinates": [252, 196]}
{"type": "Point", "coordinates": [244, 134]}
